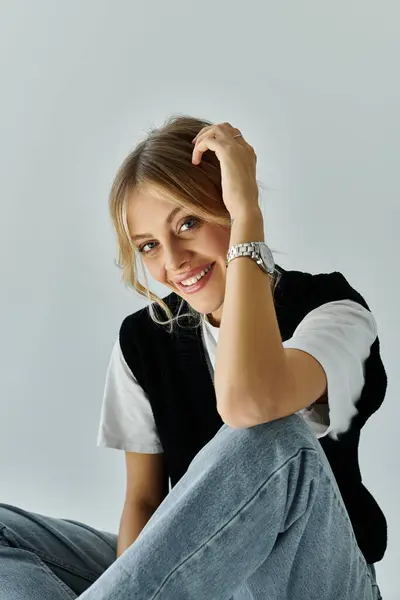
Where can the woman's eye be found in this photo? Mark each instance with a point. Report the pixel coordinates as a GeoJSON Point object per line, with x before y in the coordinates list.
{"type": "Point", "coordinates": [188, 221]}
{"type": "Point", "coordinates": [142, 248]}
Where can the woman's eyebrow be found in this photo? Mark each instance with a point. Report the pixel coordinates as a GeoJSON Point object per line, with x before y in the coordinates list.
{"type": "Point", "coordinates": [168, 220]}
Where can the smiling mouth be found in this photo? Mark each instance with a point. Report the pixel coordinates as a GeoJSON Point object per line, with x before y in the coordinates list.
{"type": "Point", "coordinates": [198, 284]}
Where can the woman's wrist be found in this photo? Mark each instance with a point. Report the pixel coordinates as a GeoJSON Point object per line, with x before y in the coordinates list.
{"type": "Point", "coordinates": [247, 227]}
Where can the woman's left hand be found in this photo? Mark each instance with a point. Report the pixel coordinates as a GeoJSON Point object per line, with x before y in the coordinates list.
{"type": "Point", "coordinates": [238, 167]}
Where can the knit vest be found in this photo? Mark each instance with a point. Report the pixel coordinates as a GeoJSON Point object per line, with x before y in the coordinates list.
{"type": "Point", "coordinates": [172, 370]}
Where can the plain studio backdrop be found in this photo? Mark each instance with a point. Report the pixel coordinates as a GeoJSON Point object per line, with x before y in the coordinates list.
{"type": "Point", "coordinates": [313, 87]}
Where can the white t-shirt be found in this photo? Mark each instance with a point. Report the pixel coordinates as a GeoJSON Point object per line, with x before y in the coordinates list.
{"type": "Point", "coordinates": [338, 334]}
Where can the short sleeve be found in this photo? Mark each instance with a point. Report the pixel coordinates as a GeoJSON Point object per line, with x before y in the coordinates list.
{"type": "Point", "coordinates": [339, 335]}
{"type": "Point", "coordinates": [126, 420]}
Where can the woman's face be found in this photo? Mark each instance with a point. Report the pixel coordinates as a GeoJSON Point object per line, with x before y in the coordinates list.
{"type": "Point", "coordinates": [174, 245]}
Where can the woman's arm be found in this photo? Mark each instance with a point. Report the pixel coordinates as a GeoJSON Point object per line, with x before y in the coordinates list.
{"type": "Point", "coordinates": [134, 518]}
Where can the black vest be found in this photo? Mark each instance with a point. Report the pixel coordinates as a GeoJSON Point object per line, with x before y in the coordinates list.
{"type": "Point", "coordinates": [173, 371]}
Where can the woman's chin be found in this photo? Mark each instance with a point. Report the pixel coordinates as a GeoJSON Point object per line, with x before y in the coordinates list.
{"type": "Point", "coordinates": [207, 306]}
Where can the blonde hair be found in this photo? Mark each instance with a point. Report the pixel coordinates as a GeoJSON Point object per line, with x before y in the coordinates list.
{"type": "Point", "coordinates": [163, 159]}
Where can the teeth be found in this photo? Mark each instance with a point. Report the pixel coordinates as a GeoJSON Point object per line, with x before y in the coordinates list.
{"type": "Point", "coordinates": [194, 279]}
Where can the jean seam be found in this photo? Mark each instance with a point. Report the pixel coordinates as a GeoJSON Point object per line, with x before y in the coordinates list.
{"type": "Point", "coordinates": [71, 594]}
{"type": "Point", "coordinates": [44, 566]}
{"type": "Point", "coordinates": [66, 566]}
{"type": "Point", "coordinates": [90, 529]}
{"type": "Point", "coordinates": [343, 510]}
{"type": "Point", "coordinates": [48, 559]}
{"type": "Point", "coordinates": [238, 513]}
{"type": "Point", "coordinates": [340, 504]}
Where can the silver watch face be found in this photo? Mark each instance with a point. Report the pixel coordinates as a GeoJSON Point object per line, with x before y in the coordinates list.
{"type": "Point", "coordinates": [266, 257]}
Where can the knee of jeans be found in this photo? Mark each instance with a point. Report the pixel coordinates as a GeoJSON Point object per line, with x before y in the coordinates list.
{"type": "Point", "coordinates": [3, 518]}
{"type": "Point", "coordinates": [291, 429]}
{"type": "Point", "coordinates": [281, 439]}
{"type": "Point", "coordinates": [6, 536]}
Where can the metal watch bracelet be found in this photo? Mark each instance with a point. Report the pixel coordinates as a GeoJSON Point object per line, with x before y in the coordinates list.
{"type": "Point", "coordinates": [243, 249]}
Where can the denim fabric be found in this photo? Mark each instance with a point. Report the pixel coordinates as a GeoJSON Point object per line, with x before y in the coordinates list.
{"type": "Point", "coordinates": [257, 516]}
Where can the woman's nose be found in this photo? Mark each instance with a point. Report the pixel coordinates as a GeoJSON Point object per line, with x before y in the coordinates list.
{"type": "Point", "coordinates": [175, 266]}
{"type": "Point", "coordinates": [175, 257]}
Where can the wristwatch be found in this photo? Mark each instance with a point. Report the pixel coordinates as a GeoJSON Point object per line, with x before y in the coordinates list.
{"type": "Point", "coordinates": [257, 251]}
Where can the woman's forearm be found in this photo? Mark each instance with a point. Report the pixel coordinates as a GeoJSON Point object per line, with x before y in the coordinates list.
{"type": "Point", "coordinates": [250, 365]}
{"type": "Point", "coordinates": [133, 519]}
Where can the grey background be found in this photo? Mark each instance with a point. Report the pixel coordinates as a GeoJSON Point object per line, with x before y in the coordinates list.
{"type": "Point", "coordinates": [313, 86]}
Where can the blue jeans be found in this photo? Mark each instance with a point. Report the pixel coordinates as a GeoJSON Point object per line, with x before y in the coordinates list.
{"type": "Point", "coordinates": [257, 516]}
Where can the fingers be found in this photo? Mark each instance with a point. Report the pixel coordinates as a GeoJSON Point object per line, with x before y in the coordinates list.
{"type": "Point", "coordinates": [203, 140]}
{"type": "Point", "coordinates": [205, 143]}
{"type": "Point", "coordinates": [218, 128]}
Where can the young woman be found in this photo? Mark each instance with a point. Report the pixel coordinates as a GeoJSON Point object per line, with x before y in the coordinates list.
{"type": "Point", "coordinates": [250, 403]}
